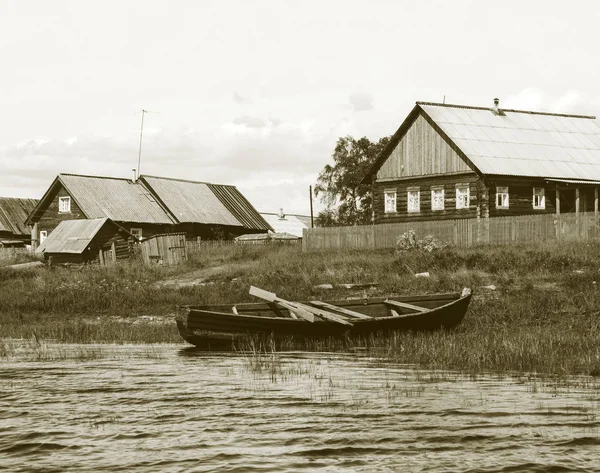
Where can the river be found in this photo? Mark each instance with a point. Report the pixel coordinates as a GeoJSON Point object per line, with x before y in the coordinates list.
{"type": "Point", "coordinates": [94, 408]}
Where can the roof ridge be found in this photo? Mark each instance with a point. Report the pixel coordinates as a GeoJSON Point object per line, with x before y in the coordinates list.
{"type": "Point", "coordinates": [185, 180]}
{"type": "Point", "coordinates": [531, 112]}
{"type": "Point", "coordinates": [94, 177]}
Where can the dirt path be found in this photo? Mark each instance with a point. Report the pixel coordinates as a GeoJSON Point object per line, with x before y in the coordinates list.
{"type": "Point", "coordinates": [205, 276]}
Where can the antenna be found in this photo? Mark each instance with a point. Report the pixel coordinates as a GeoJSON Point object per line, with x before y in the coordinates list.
{"type": "Point", "coordinates": [141, 134]}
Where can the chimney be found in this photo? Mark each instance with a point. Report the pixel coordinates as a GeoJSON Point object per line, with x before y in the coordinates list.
{"type": "Point", "coordinates": [281, 215]}
{"type": "Point", "coordinates": [495, 109]}
{"type": "Point", "coordinates": [133, 177]}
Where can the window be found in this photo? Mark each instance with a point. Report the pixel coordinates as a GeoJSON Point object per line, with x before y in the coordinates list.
{"type": "Point", "coordinates": [390, 201]}
{"type": "Point", "coordinates": [43, 236]}
{"type": "Point", "coordinates": [539, 198]}
{"type": "Point", "coordinates": [463, 196]}
{"type": "Point", "coordinates": [437, 198]}
{"type": "Point", "coordinates": [136, 232]}
{"type": "Point", "coordinates": [64, 205]}
{"type": "Point", "coordinates": [501, 197]}
{"type": "Point", "coordinates": [414, 200]}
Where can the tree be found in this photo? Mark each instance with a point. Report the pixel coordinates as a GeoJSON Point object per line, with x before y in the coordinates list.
{"type": "Point", "coordinates": [348, 201]}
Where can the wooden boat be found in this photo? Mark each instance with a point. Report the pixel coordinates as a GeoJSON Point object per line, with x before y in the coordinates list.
{"type": "Point", "coordinates": [218, 326]}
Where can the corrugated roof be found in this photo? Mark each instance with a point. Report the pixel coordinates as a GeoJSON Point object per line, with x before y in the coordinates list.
{"type": "Point", "coordinates": [72, 236]}
{"type": "Point", "coordinates": [13, 213]}
{"type": "Point", "coordinates": [120, 200]}
{"type": "Point", "coordinates": [522, 143]}
{"type": "Point", "coordinates": [288, 224]}
{"type": "Point", "coordinates": [191, 202]}
{"type": "Point", "coordinates": [239, 206]}
{"type": "Point", "coordinates": [201, 202]}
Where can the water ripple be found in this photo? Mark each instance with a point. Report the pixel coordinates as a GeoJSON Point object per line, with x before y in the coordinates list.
{"type": "Point", "coordinates": [180, 411]}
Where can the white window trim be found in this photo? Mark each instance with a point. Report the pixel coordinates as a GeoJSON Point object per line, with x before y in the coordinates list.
{"type": "Point", "coordinates": [409, 191]}
{"type": "Point", "coordinates": [387, 193]}
{"type": "Point", "coordinates": [502, 191]}
{"type": "Point", "coordinates": [459, 202]}
{"type": "Point", "coordinates": [433, 191]}
{"type": "Point", "coordinates": [136, 232]}
{"type": "Point", "coordinates": [64, 205]}
{"type": "Point", "coordinates": [542, 194]}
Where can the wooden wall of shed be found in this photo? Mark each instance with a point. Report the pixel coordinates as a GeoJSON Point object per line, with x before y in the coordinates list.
{"type": "Point", "coordinates": [421, 152]}
{"type": "Point", "coordinates": [51, 217]}
{"type": "Point", "coordinates": [425, 184]}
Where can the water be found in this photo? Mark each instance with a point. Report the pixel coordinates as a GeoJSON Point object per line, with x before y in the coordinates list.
{"type": "Point", "coordinates": [163, 408]}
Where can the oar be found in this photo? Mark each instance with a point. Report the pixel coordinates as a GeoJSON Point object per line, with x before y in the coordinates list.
{"type": "Point", "coordinates": [348, 312]}
{"type": "Point", "coordinates": [269, 296]}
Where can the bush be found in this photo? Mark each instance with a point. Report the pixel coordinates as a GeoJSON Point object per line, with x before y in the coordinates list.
{"type": "Point", "coordinates": [408, 242]}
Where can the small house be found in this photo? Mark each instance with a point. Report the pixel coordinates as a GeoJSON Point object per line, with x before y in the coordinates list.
{"type": "Point", "coordinates": [292, 224]}
{"type": "Point", "coordinates": [85, 241]}
{"type": "Point", "coordinates": [14, 232]}
{"type": "Point", "coordinates": [147, 206]}
{"type": "Point", "coordinates": [456, 161]}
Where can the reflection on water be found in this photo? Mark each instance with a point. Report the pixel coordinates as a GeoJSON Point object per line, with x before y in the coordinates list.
{"type": "Point", "coordinates": [164, 408]}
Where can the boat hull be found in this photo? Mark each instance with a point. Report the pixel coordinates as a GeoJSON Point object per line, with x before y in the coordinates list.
{"type": "Point", "coordinates": [219, 326]}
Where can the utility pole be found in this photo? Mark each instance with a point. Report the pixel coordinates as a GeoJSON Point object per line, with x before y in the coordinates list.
{"type": "Point", "coordinates": [312, 225]}
{"type": "Point", "coordinates": [140, 152]}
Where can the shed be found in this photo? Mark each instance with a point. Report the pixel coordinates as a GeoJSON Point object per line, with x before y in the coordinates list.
{"type": "Point", "coordinates": [85, 241]}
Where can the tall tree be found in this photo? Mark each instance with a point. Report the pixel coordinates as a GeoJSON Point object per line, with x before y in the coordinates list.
{"type": "Point", "coordinates": [348, 201]}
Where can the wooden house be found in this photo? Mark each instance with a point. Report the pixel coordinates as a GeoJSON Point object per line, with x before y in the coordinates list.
{"type": "Point", "coordinates": [454, 161]}
{"type": "Point", "coordinates": [14, 232]}
{"type": "Point", "coordinates": [86, 240]}
{"type": "Point", "coordinates": [147, 206]}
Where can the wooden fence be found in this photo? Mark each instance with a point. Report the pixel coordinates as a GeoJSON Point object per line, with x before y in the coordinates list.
{"type": "Point", "coordinates": [459, 232]}
{"type": "Point", "coordinates": [12, 253]}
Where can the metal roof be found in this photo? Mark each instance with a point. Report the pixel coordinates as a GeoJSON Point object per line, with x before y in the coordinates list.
{"type": "Point", "coordinates": [120, 200]}
{"type": "Point", "coordinates": [72, 236]}
{"type": "Point", "coordinates": [522, 143]}
{"type": "Point", "coordinates": [201, 202]}
{"type": "Point", "coordinates": [13, 213]}
{"type": "Point", "coordinates": [191, 202]}
{"type": "Point", "coordinates": [288, 224]}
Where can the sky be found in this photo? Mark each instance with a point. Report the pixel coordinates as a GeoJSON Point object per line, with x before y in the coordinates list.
{"type": "Point", "coordinates": [256, 93]}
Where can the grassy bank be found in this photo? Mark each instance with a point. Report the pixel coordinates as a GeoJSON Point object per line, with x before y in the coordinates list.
{"type": "Point", "coordinates": [544, 314]}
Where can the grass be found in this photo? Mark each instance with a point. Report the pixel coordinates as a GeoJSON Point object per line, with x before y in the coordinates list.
{"type": "Point", "coordinates": [544, 315]}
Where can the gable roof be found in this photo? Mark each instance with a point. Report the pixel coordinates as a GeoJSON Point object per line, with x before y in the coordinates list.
{"type": "Point", "coordinates": [155, 200]}
{"type": "Point", "coordinates": [291, 224]}
{"type": "Point", "coordinates": [74, 236]}
{"type": "Point", "coordinates": [513, 142]}
{"type": "Point", "coordinates": [13, 214]}
{"type": "Point", "coordinates": [201, 202]}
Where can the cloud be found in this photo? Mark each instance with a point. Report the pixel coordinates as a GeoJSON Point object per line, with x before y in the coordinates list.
{"type": "Point", "coordinates": [237, 98]}
{"type": "Point", "coordinates": [250, 122]}
{"type": "Point", "coordinates": [361, 102]}
{"type": "Point", "coordinates": [534, 99]}
{"type": "Point", "coordinates": [274, 163]}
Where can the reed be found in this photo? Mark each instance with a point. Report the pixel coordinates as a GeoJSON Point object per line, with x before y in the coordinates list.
{"type": "Point", "coordinates": [544, 315]}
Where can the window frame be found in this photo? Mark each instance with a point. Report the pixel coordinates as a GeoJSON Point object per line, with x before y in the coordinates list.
{"type": "Point", "coordinates": [64, 201]}
{"type": "Point", "coordinates": [542, 195]}
{"type": "Point", "coordinates": [502, 193]}
{"type": "Point", "coordinates": [435, 189]}
{"type": "Point", "coordinates": [459, 189]}
{"type": "Point", "coordinates": [417, 191]}
{"type": "Point", "coordinates": [136, 232]}
{"type": "Point", "coordinates": [387, 192]}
